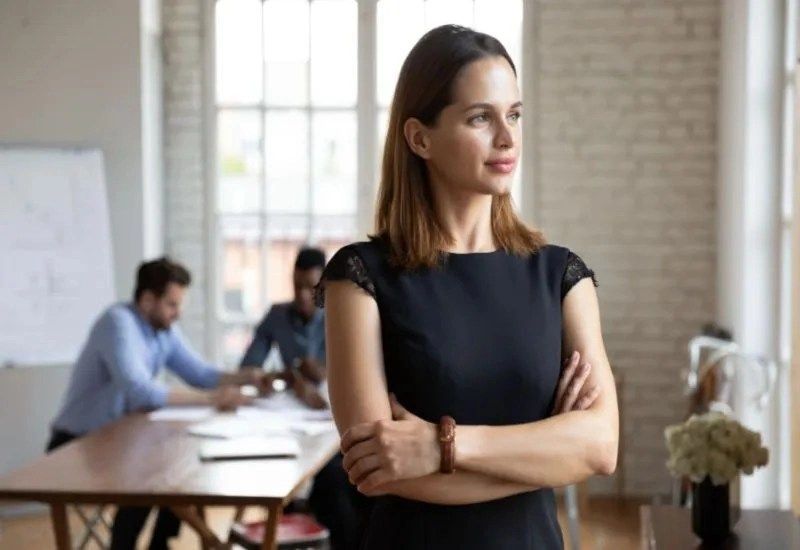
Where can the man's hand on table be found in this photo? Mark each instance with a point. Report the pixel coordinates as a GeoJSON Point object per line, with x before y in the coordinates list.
{"type": "Point", "coordinates": [312, 369]}
{"type": "Point", "coordinates": [305, 389]}
{"type": "Point", "coordinates": [229, 398]}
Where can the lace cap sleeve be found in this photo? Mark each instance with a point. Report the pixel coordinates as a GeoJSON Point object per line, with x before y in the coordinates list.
{"type": "Point", "coordinates": [345, 264]}
{"type": "Point", "coordinates": [574, 272]}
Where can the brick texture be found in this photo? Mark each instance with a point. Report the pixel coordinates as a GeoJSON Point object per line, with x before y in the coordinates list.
{"type": "Point", "coordinates": [185, 200]}
{"type": "Point", "coordinates": [625, 164]}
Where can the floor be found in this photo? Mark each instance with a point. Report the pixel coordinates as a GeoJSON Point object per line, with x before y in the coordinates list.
{"type": "Point", "coordinates": [606, 523]}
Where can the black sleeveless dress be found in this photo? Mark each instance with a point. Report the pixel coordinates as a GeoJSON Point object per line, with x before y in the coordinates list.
{"type": "Point", "coordinates": [478, 339]}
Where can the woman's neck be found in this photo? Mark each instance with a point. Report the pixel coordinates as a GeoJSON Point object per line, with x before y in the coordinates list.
{"type": "Point", "coordinates": [467, 217]}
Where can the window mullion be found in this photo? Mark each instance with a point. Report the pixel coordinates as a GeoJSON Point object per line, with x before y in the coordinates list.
{"type": "Point", "coordinates": [366, 114]}
{"type": "Point", "coordinates": [528, 207]}
{"type": "Point", "coordinates": [264, 240]}
{"type": "Point", "coordinates": [211, 182]}
{"type": "Point", "coordinates": [309, 136]}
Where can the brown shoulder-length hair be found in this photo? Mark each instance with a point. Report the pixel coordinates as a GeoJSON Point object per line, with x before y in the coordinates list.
{"type": "Point", "coordinates": [405, 217]}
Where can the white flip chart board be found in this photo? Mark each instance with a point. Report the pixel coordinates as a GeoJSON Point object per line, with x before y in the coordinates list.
{"type": "Point", "coordinates": [56, 272]}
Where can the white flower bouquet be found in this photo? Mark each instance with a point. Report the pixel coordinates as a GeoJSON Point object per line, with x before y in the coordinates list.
{"type": "Point", "coordinates": [713, 445]}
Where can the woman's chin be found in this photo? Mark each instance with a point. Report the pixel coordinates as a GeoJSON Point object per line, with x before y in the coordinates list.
{"type": "Point", "coordinates": [496, 186]}
{"type": "Point", "coordinates": [492, 185]}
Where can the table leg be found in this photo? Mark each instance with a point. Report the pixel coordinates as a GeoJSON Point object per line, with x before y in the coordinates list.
{"type": "Point", "coordinates": [271, 532]}
{"type": "Point", "coordinates": [58, 514]}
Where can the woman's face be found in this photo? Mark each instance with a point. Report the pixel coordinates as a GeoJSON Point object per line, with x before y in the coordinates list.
{"type": "Point", "coordinates": [476, 141]}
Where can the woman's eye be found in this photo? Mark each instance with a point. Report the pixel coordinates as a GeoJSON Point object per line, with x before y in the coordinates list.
{"type": "Point", "coordinates": [478, 118]}
{"type": "Point", "coordinates": [515, 116]}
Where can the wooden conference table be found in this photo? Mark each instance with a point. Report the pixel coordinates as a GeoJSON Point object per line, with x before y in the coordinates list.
{"type": "Point", "coordinates": [135, 461]}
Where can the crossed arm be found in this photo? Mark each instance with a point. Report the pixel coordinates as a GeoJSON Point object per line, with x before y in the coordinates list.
{"type": "Point", "coordinates": [389, 450]}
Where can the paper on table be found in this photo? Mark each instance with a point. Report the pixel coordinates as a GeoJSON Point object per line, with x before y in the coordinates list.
{"type": "Point", "coordinates": [281, 407]}
{"type": "Point", "coordinates": [314, 427]}
{"type": "Point", "coordinates": [182, 413]}
{"type": "Point", "coordinates": [250, 447]}
{"type": "Point", "coordinates": [249, 422]}
{"type": "Point", "coordinates": [305, 413]}
{"type": "Point", "coordinates": [246, 421]}
{"type": "Point", "coordinates": [288, 403]}
{"type": "Point", "coordinates": [226, 428]}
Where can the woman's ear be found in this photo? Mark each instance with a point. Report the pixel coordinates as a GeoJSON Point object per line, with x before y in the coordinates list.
{"type": "Point", "coordinates": [416, 134]}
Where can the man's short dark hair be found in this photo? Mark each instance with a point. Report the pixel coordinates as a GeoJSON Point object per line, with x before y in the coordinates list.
{"type": "Point", "coordinates": [309, 258]}
{"type": "Point", "coordinates": [155, 275]}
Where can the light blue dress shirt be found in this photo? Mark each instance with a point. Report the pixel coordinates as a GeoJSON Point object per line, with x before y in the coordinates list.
{"type": "Point", "coordinates": [116, 371]}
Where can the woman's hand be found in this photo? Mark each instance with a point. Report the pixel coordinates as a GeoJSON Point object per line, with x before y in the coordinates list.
{"type": "Point", "coordinates": [571, 395]}
{"type": "Point", "coordinates": [379, 452]}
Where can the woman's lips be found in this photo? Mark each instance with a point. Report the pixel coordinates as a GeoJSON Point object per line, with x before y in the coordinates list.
{"type": "Point", "coordinates": [505, 166]}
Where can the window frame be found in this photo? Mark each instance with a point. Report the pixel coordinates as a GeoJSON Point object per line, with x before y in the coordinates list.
{"type": "Point", "coordinates": [367, 112]}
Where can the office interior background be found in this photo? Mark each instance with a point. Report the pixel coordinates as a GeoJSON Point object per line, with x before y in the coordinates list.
{"type": "Point", "coordinates": [658, 143]}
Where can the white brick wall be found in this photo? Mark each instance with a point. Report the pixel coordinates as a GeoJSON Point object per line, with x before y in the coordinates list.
{"type": "Point", "coordinates": [185, 201]}
{"type": "Point", "coordinates": [625, 114]}
{"type": "Point", "coordinates": [625, 168]}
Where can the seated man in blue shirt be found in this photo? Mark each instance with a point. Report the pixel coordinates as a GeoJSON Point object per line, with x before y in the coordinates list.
{"type": "Point", "coordinates": [116, 371]}
{"type": "Point", "coordinates": [298, 328]}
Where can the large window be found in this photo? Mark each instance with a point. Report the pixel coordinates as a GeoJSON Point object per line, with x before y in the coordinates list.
{"type": "Point", "coordinates": [288, 115]}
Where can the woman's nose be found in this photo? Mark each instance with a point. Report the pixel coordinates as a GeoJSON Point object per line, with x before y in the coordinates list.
{"type": "Point", "coordinates": [504, 139]}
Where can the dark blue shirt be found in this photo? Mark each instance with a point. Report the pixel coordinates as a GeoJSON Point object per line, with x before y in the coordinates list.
{"type": "Point", "coordinates": [295, 337]}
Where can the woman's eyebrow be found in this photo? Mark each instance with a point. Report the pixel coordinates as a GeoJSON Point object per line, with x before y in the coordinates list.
{"type": "Point", "coordinates": [489, 106]}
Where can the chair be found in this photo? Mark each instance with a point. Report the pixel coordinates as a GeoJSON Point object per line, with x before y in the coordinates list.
{"type": "Point", "coordinates": [295, 532]}
{"type": "Point", "coordinates": [92, 517]}
{"type": "Point", "coordinates": [576, 495]}
{"type": "Point", "coordinates": [714, 360]}
{"type": "Point", "coordinates": [573, 516]}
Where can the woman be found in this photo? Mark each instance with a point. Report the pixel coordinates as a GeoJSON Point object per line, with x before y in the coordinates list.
{"type": "Point", "coordinates": [457, 323]}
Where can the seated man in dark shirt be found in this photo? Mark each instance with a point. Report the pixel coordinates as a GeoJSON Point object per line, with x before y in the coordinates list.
{"type": "Point", "coordinates": [298, 329]}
